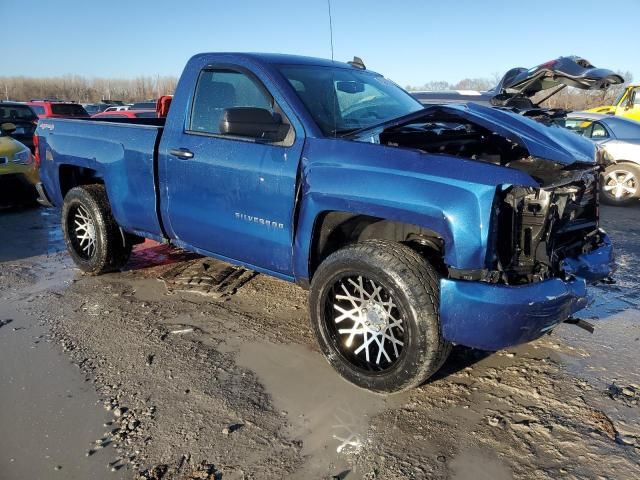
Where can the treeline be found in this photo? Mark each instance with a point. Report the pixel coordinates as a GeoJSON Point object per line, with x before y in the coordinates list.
{"type": "Point", "coordinates": [86, 90]}
{"type": "Point", "coordinates": [568, 98]}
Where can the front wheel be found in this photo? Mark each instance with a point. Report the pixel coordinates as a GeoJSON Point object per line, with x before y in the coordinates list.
{"type": "Point", "coordinates": [374, 310]}
{"type": "Point", "coordinates": [91, 234]}
{"type": "Point", "coordinates": [620, 184]}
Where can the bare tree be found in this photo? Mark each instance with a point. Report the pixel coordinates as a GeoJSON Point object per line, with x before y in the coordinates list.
{"type": "Point", "coordinates": [82, 89]}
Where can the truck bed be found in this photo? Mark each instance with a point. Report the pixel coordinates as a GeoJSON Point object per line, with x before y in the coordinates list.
{"type": "Point", "coordinates": [122, 152]}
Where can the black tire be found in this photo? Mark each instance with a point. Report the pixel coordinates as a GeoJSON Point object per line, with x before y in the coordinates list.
{"type": "Point", "coordinates": [608, 182]}
{"type": "Point", "coordinates": [106, 251]}
{"type": "Point", "coordinates": [408, 290]}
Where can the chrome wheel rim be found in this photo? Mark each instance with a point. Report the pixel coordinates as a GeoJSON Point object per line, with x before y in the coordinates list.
{"type": "Point", "coordinates": [365, 323]}
{"type": "Point", "coordinates": [83, 232]}
{"type": "Point", "coordinates": [620, 184]}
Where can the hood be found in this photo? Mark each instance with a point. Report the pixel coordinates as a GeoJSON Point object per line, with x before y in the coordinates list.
{"type": "Point", "coordinates": [545, 142]}
{"type": "Point", "coordinates": [564, 71]}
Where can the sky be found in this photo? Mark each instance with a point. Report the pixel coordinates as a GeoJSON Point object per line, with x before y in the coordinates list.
{"type": "Point", "coordinates": [411, 42]}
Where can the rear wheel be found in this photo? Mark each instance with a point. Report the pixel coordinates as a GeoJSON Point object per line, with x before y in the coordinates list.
{"type": "Point", "coordinates": [374, 310]}
{"type": "Point", "coordinates": [91, 234]}
{"type": "Point", "coordinates": [620, 184]}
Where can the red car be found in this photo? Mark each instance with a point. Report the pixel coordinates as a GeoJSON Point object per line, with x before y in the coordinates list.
{"type": "Point", "coordinates": [53, 109]}
{"type": "Point", "coordinates": [127, 114]}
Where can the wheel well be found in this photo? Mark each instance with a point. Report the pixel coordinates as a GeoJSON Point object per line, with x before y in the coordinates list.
{"type": "Point", "coordinates": [627, 162]}
{"type": "Point", "coordinates": [334, 230]}
{"type": "Point", "coordinates": [72, 176]}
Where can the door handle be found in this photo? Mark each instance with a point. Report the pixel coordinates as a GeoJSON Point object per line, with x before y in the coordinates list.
{"type": "Point", "coordinates": [183, 153]}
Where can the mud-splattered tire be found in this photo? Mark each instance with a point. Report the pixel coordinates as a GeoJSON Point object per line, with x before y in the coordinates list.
{"type": "Point", "coordinates": [620, 184]}
{"type": "Point", "coordinates": [91, 233]}
{"type": "Point", "coordinates": [386, 294]}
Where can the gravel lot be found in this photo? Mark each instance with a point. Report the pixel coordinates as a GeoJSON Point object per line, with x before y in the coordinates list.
{"type": "Point", "coordinates": [181, 367]}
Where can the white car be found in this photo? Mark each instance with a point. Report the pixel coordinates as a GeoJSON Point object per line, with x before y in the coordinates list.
{"type": "Point", "coordinates": [620, 137]}
{"type": "Point", "coordinates": [117, 108]}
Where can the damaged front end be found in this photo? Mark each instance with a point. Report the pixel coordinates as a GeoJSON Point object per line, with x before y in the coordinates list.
{"type": "Point", "coordinates": [544, 242]}
{"type": "Point", "coordinates": [535, 230]}
{"type": "Point", "coordinates": [539, 231]}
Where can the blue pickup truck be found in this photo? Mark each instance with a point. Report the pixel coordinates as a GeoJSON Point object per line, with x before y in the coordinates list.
{"type": "Point", "coordinates": [413, 228]}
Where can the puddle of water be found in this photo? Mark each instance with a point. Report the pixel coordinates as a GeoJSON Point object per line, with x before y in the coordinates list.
{"type": "Point", "coordinates": [475, 464]}
{"type": "Point", "coordinates": [329, 415]}
{"type": "Point", "coordinates": [48, 413]}
{"type": "Point", "coordinates": [30, 232]}
{"type": "Point", "coordinates": [49, 417]}
{"type": "Point", "coordinates": [612, 351]}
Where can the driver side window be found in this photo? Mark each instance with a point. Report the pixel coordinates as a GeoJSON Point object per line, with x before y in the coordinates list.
{"type": "Point", "coordinates": [220, 89]}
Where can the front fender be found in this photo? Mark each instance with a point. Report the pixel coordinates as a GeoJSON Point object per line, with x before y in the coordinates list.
{"type": "Point", "coordinates": [451, 196]}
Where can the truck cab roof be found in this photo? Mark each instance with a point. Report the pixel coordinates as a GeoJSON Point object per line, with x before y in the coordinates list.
{"type": "Point", "coordinates": [278, 59]}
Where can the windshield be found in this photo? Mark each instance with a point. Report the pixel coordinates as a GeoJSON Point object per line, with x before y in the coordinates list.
{"type": "Point", "coordinates": [12, 112]}
{"type": "Point", "coordinates": [620, 97]}
{"type": "Point", "coordinates": [343, 100]}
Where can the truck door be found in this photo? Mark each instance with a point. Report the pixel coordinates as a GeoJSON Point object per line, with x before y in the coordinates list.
{"type": "Point", "coordinates": [230, 196]}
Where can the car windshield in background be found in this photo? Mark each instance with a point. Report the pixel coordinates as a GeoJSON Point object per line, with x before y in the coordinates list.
{"type": "Point", "coordinates": [16, 113]}
{"type": "Point", "coordinates": [70, 109]}
{"type": "Point", "coordinates": [343, 100]}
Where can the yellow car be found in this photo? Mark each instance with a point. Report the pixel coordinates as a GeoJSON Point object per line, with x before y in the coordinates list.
{"type": "Point", "coordinates": [16, 161]}
{"type": "Point", "coordinates": [626, 105]}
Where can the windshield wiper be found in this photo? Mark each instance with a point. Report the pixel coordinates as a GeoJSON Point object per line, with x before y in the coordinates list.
{"type": "Point", "coordinates": [343, 132]}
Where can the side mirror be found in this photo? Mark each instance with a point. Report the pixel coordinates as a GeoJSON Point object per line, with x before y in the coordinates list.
{"type": "Point", "coordinates": [7, 128]}
{"type": "Point", "coordinates": [257, 123]}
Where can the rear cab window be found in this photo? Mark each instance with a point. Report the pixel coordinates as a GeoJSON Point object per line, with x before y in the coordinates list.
{"type": "Point", "coordinates": [70, 109]}
{"type": "Point", "coordinates": [39, 109]}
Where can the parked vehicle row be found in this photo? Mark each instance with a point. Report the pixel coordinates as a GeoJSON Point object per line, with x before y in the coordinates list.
{"type": "Point", "coordinates": [54, 109]}
{"type": "Point", "coordinates": [413, 228]}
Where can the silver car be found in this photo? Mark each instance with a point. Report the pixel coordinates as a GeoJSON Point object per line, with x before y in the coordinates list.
{"type": "Point", "coordinates": [620, 137]}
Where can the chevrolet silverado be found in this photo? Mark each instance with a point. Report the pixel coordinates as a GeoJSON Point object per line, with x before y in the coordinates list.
{"type": "Point", "coordinates": [413, 228]}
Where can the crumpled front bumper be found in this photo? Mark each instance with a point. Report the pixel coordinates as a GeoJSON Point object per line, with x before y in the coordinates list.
{"type": "Point", "coordinates": [490, 317]}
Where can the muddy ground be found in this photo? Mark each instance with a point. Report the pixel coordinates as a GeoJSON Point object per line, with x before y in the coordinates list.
{"type": "Point", "coordinates": [188, 368]}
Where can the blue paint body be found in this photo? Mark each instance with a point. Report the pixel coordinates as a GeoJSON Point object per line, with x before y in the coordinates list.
{"type": "Point", "coordinates": [256, 204]}
{"type": "Point", "coordinates": [492, 317]}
